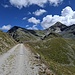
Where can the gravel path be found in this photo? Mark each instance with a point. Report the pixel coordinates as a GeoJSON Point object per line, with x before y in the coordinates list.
{"type": "Point", "coordinates": [18, 61]}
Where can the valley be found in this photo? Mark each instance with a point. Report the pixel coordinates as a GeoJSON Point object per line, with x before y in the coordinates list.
{"type": "Point", "coordinates": [55, 46]}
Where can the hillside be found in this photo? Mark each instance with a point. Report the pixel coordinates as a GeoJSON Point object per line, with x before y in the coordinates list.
{"type": "Point", "coordinates": [57, 27]}
{"type": "Point", "coordinates": [58, 53]}
{"type": "Point", "coordinates": [63, 30]}
{"type": "Point", "coordinates": [6, 42]}
{"type": "Point", "coordinates": [69, 32]}
{"type": "Point", "coordinates": [57, 30]}
{"type": "Point", "coordinates": [21, 34]}
{"type": "Point", "coordinates": [56, 45]}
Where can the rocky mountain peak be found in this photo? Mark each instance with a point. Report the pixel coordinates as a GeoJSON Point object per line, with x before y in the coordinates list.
{"type": "Point", "coordinates": [13, 29]}
{"type": "Point", "coordinates": [58, 26]}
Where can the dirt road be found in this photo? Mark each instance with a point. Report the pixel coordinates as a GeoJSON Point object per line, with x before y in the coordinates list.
{"type": "Point", "coordinates": [18, 61]}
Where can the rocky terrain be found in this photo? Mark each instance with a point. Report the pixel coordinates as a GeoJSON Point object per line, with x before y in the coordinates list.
{"type": "Point", "coordinates": [58, 29]}
{"type": "Point", "coordinates": [6, 42]}
{"type": "Point", "coordinates": [55, 46]}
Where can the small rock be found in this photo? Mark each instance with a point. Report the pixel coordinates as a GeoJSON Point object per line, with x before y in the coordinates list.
{"type": "Point", "coordinates": [37, 56]}
{"type": "Point", "coordinates": [44, 66]}
{"type": "Point", "coordinates": [48, 72]}
{"type": "Point", "coordinates": [32, 67]}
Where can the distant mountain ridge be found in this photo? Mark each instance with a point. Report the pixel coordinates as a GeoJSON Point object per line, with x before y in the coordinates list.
{"type": "Point", "coordinates": [63, 30]}
{"type": "Point", "coordinates": [58, 25]}
{"type": "Point", "coordinates": [69, 32]}
{"type": "Point", "coordinates": [21, 34]}
{"type": "Point", "coordinates": [56, 45]}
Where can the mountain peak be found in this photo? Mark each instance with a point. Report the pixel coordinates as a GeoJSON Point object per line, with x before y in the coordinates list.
{"type": "Point", "coordinates": [58, 24]}
{"type": "Point", "coordinates": [14, 28]}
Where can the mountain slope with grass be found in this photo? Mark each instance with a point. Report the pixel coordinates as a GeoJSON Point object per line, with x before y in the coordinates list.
{"type": "Point", "coordinates": [58, 53]}
{"type": "Point", "coordinates": [69, 32]}
{"type": "Point", "coordinates": [6, 42]}
{"type": "Point", "coordinates": [63, 30]}
{"type": "Point", "coordinates": [56, 45]}
{"type": "Point", "coordinates": [58, 29]}
{"type": "Point", "coordinates": [21, 34]}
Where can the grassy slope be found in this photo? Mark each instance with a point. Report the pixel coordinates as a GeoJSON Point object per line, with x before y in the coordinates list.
{"type": "Point", "coordinates": [21, 36]}
{"type": "Point", "coordinates": [6, 42]}
{"type": "Point", "coordinates": [59, 54]}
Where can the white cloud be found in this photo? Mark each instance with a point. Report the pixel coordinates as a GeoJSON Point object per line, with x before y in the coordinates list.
{"type": "Point", "coordinates": [19, 3]}
{"type": "Point", "coordinates": [29, 13]}
{"type": "Point", "coordinates": [33, 27]}
{"type": "Point", "coordinates": [55, 2]}
{"type": "Point", "coordinates": [5, 6]}
{"type": "Point", "coordinates": [30, 28]}
{"type": "Point", "coordinates": [33, 20]}
{"type": "Point", "coordinates": [39, 12]}
{"type": "Point", "coordinates": [67, 17]}
{"type": "Point", "coordinates": [67, 12]}
{"type": "Point", "coordinates": [6, 27]}
{"type": "Point", "coordinates": [24, 3]}
{"type": "Point", "coordinates": [27, 25]}
{"type": "Point", "coordinates": [24, 18]}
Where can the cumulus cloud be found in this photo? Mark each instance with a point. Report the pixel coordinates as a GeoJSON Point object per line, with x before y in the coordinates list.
{"type": "Point", "coordinates": [34, 27]}
{"type": "Point", "coordinates": [24, 3]}
{"type": "Point", "coordinates": [67, 17]}
{"type": "Point", "coordinates": [6, 27]}
{"type": "Point", "coordinates": [39, 12]}
{"type": "Point", "coordinates": [67, 11]}
{"type": "Point", "coordinates": [34, 20]}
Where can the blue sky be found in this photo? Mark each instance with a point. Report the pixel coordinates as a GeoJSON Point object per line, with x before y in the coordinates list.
{"type": "Point", "coordinates": [37, 14]}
